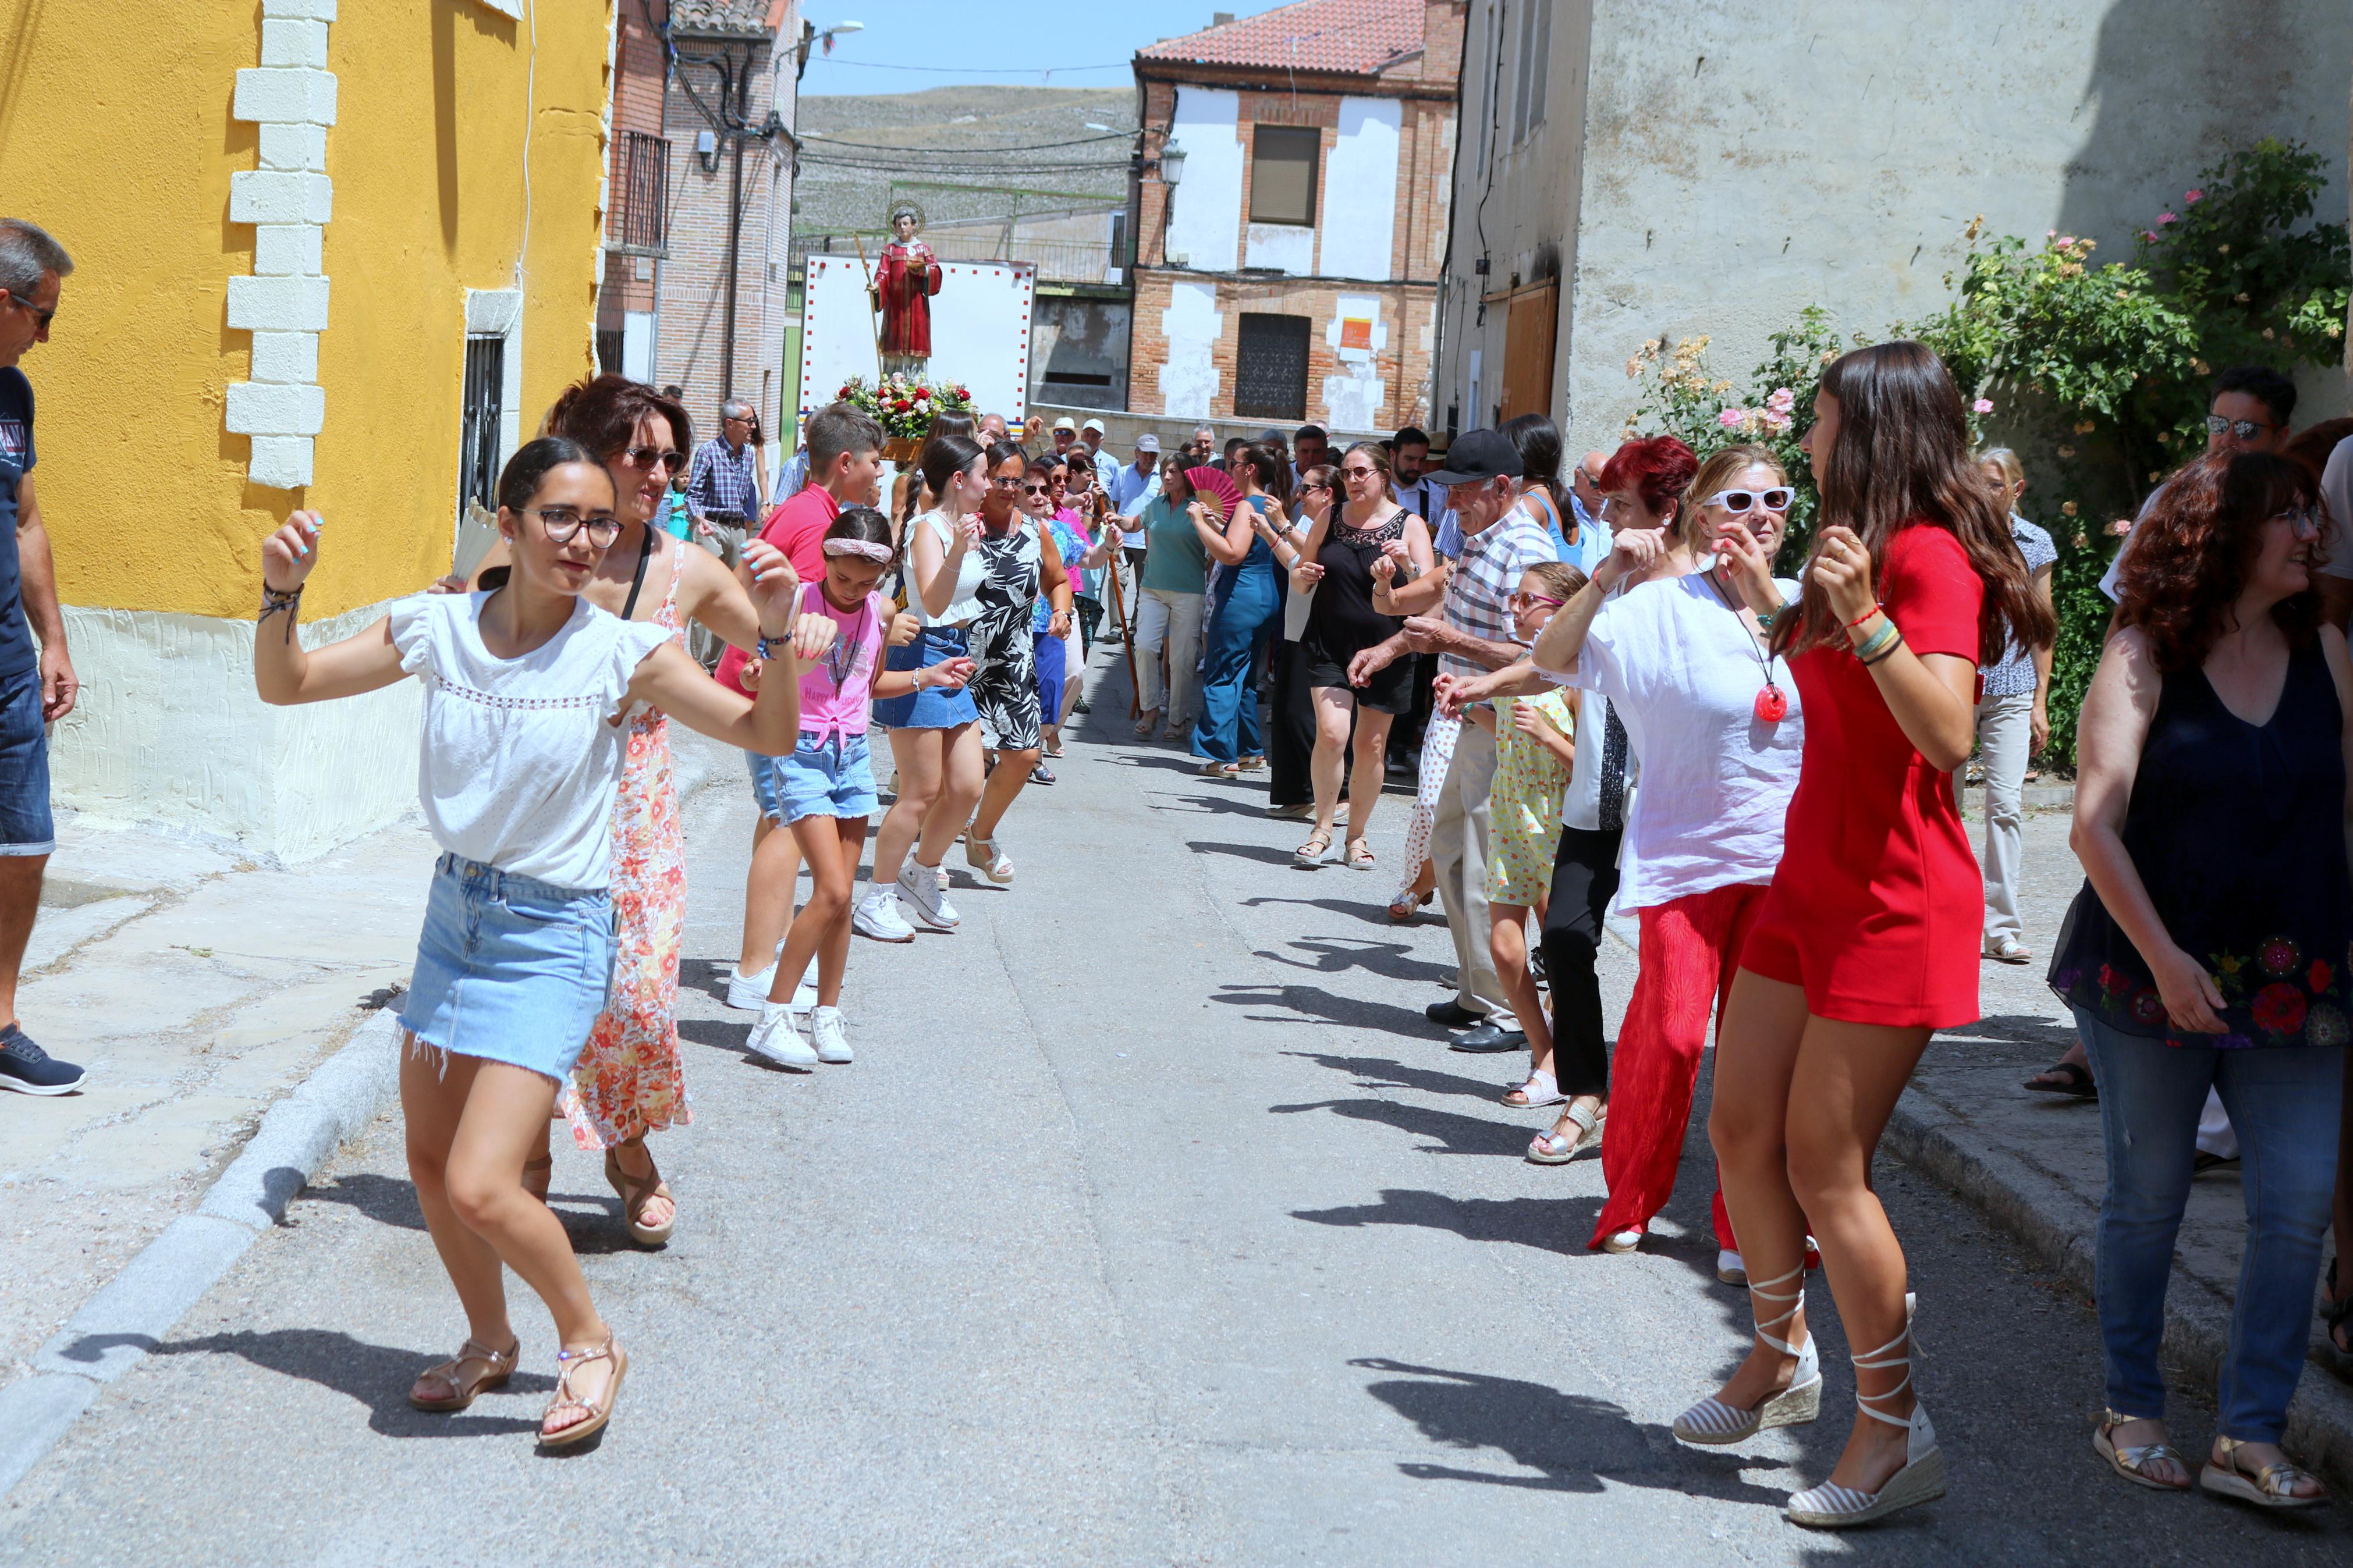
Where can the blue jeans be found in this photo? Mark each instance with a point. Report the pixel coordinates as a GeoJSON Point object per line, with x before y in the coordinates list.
{"type": "Point", "coordinates": [1227, 727]}
{"type": "Point", "coordinates": [25, 825]}
{"type": "Point", "coordinates": [2283, 1101]}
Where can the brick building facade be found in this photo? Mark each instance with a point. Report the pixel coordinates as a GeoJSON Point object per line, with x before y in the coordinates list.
{"type": "Point", "coordinates": [703, 109]}
{"type": "Point", "coordinates": [1291, 276]}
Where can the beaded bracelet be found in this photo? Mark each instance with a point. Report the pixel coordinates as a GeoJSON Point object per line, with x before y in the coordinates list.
{"type": "Point", "coordinates": [1876, 608]}
{"type": "Point", "coordinates": [1886, 634]}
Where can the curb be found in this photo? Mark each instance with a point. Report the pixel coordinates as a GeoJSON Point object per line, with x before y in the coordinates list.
{"type": "Point", "coordinates": [115, 1329]}
{"type": "Point", "coordinates": [2015, 1195]}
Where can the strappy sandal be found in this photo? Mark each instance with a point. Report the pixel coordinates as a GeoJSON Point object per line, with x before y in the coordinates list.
{"type": "Point", "coordinates": [1222, 771]}
{"type": "Point", "coordinates": [1143, 726]}
{"type": "Point", "coordinates": [1526, 1097]}
{"type": "Point", "coordinates": [2133, 1464]}
{"type": "Point", "coordinates": [1404, 907]}
{"type": "Point", "coordinates": [1922, 1479]}
{"type": "Point", "coordinates": [536, 1175]}
{"type": "Point", "coordinates": [1359, 855]}
{"type": "Point", "coordinates": [2270, 1487]}
{"type": "Point", "coordinates": [636, 1192]}
{"type": "Point", "coordinates": [1557, 1147]}
{"type": "Point", "coordinates": [2078, 1080]}
{"type": "Point", "coordinates": [568, 1360]}
{"type": "Point", "coordinates": [497, 1367]}
{"type": "Point", "coordinates": [1311, 854]}
{"type": "Point", "coordinates": [1713, 1423]}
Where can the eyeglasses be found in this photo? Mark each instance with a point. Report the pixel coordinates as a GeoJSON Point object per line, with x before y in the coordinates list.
{"type": "Point", "coordinates": [1522, 599]}
{"type": "Point", "coordinates": [1312, 485]}
{"type": "Point", "coordinates": [2304, 522]}
{"type": "Point", "coordinates": [563, 525]}
{"type": "Point", "coordinates": [1777, 498]}
{"type": "Point", "coordinates": [41, 318]}
{"type": "Point", "coordinates": [1362, 471]}
{"type": "Point", "coordinates": [1036, 489]}
{"type": "Point", "coordinates": [654, 457]}
{"type": "Point", "coordinates": [1006, 481]}
{"type": "Point", "coordinates": [2244, 430]}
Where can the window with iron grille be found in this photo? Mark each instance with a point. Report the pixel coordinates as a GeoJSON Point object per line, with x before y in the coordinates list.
{"type": "Point", "coordinates": [1282, 173]}
{"type": "Point", "coordinates": [639, 223]}
{"type": "Point", "coordinates": [608, 349]}
{"type": "Point", "coordinates": [1271, 368]}
{"type": "Point", "coordinates": [477, 432]}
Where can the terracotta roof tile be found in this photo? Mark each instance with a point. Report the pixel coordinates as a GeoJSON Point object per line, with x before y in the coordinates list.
{"type": "Point", "coordinates": [736, 18]}
{"type": "Point", "coordinates": [1355, 36]}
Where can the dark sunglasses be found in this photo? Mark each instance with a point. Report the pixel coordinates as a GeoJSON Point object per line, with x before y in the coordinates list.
{"type": "Point", "coordinates": [1038, 489]}
{"type": "Point", "coordinates": [1777, 498]}
{"type": "Point", "coordinates": [40, 318]}
{"type": "Point", "coordinates": [2244, 430]}
{"type": "Point", "coordinates": [563, 525]}
{"type": "Point", "coordinates": [1363, 472]}
{"type": "Point", "coordinates": [654, 457]}
{"type": "Point", "coordinates": [1523, 597]}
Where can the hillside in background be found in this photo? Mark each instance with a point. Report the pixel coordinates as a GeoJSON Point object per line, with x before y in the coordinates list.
{"type": "Point", "coordinates": [961, 151]}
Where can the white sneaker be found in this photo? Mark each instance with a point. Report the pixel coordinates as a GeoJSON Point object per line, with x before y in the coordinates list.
{"type": "Point", "coordinates": [778, 1038]}
{"type": "Point", "coordinates": [826, 1034]}
{"type": "Point", "coordinates": [877, 915]}
{"type": "Point", "coordinates": [749, 993]}
{"type": "Point", "coordinates": [804, 994]}
{"type": "Point", "coordinates": [920, 885]}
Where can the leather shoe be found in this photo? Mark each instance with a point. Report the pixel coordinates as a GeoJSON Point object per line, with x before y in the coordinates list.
{"type": "Point", "coordinates": [1452, 1015]}
{"type": "Point", "coordinates": [1490, 1035]}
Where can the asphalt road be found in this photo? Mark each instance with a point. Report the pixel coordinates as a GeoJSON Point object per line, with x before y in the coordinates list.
{"type": "Point", "coordinates": [1152, 1225]}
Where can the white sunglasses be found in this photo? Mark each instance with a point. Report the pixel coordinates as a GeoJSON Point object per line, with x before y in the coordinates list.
{"type": "Point", "coordinates": [1777, 498]}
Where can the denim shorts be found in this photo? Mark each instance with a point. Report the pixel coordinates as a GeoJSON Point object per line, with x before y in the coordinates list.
{"type": "Point", "coordinates": [764, 786]}
{"type": "Point", "coordinates": [25, 825]}
{"type": "Point", "coordinates": [509, 969]}
{"type": "Point", "coordinates": [826, 775]}
{"type": "Point", "coordinates": [932, 708]}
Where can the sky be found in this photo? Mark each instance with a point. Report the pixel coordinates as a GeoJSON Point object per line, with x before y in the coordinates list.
{"type": "Point", "coordinates": [1093, 50]}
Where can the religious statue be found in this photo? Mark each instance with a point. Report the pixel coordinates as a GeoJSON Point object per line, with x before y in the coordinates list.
{"type": "Point", "coordinates": [905, 277]}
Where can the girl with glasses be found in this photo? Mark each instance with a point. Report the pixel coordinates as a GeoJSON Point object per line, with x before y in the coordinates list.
{"type": "Point", "coordinates": [528, 688]}
{"type": "Point", "coordinates": [1359, 546]}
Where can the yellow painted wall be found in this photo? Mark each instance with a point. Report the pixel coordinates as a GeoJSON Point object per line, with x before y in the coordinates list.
{"type": "Point", "coordinates": [119, 141]}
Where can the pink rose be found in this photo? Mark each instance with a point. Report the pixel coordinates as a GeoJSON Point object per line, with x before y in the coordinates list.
{"type": "Point", "coordinates": [2148, 235]}
{"type": "Point", "coordinates": [2189, 196]}
{"type": "Point", "coordinates": [1732, 419]}
{"type": "Point", "coordinates": [1982, 405]}
{"type": "Point", "coordinates": [2164, 218]}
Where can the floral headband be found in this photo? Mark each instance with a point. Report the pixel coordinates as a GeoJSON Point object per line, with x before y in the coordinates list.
{"type": "Point", "coordinates": [867, 548]}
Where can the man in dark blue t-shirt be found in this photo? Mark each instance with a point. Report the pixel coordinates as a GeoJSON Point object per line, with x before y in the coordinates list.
{"type": "Point", "coordinates": [37, 688]}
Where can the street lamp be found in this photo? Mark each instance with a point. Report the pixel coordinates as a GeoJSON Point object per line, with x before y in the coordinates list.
{"type": "Point", "coordinates": [810, 35]}
{"type": "Point", "coordinates": [1172, 165]}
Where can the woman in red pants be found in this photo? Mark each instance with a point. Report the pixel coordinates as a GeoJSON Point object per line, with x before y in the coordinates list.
{"type": "Point", "coordinates": [1868, 941]}
{"type": "Point", "coordinates": [1684, 657]}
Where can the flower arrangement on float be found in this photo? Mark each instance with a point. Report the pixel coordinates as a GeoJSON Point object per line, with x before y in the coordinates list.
{"type": "Point", "coordinates": [904, 405]}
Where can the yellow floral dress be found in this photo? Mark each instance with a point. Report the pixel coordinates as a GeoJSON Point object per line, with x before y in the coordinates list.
{"type": "Point", "coordinates": [629, 1080]}
{"type": "Point", "coordinates": [1523, 807]}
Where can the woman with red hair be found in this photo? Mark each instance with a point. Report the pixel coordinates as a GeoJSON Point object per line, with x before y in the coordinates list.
{"type": "Point", "coordinates": [1868, 941]}
{"type": "Point", "coordinates": [2208, 949]}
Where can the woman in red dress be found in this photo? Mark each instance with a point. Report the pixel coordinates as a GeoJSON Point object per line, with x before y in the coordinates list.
{"type": "Point", "coordinates": [1868, 941]}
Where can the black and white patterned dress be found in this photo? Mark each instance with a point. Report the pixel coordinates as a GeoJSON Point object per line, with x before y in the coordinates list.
{"type": "Point", "coordinates": [1005, 685]}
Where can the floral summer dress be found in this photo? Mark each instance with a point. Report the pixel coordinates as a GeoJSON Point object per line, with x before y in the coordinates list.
{"type": "Point", "coordinates": [629, 1080]}
{"type": "Point", "coordinates": [1523, 805]}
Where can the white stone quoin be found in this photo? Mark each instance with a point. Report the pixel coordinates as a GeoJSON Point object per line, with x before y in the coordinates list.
{"type": "Point", "coordinates": [291, 95]}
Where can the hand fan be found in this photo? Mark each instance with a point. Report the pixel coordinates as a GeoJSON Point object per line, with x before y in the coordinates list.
{"type": "Point", "coordinates": [1217, 489]}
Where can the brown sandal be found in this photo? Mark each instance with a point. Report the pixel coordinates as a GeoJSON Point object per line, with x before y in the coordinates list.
{"type": "Point", "coordinates": [497, 1367]}
{"type": "Point", "coordinates": [636, 1192]}
{"type": "Point", "coordinates": [1311, 854]}
{"type": "Point", "coordinates": [566, 1361]}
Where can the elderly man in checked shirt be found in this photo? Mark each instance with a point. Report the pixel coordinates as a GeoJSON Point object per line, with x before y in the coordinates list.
{"type": "Point", "coordinates": [725, 476]}
{"type": "Point", "coordinates": [1500, 542]}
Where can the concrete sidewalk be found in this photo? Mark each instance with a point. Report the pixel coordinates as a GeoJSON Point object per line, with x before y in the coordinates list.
{"type": "Point", "coordinates": [2035, 1163]}
{"type": "Point", "coordinates": [198, 988]}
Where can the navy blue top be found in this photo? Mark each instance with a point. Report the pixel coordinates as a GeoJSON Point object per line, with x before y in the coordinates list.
{"type": "Point", "coordinates": [16, 461]}
{"type": "Point", "coordinates": [2238, 832]}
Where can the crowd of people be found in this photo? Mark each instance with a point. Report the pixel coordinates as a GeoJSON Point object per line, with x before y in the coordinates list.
{"type": "Point", "coordinates": [1610, 703]}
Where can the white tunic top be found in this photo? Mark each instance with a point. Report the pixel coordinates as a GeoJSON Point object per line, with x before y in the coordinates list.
{"type": "Point", "coordinates": [1683, 674]}
{"type": "Point", "coordinates": [520, 757]}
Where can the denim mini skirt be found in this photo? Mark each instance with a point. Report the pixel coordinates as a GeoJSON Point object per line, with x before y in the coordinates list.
{"type": "Point", "coordinates": [509, 969]}
{"type": "Point", "coordinates": [932, 708]}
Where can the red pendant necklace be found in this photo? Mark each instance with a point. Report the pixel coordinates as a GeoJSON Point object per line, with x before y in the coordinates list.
{"type": "Point", "coordinates": [1772, 705]}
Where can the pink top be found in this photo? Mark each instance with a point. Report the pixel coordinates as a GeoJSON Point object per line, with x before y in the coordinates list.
{"type": "Point", "coordinates": [834, 692]}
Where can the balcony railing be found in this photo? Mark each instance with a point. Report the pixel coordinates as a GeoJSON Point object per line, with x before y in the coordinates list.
{"type": "Point", "coordinates": [639, 223]}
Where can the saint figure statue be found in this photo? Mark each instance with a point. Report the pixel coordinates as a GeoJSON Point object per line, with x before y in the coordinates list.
{"type": "Point", "coordinates": [905, 279]}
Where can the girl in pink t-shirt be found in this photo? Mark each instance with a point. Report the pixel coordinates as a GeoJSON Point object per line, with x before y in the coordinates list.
{"type": "Point", "coordinates": [824, 792]}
